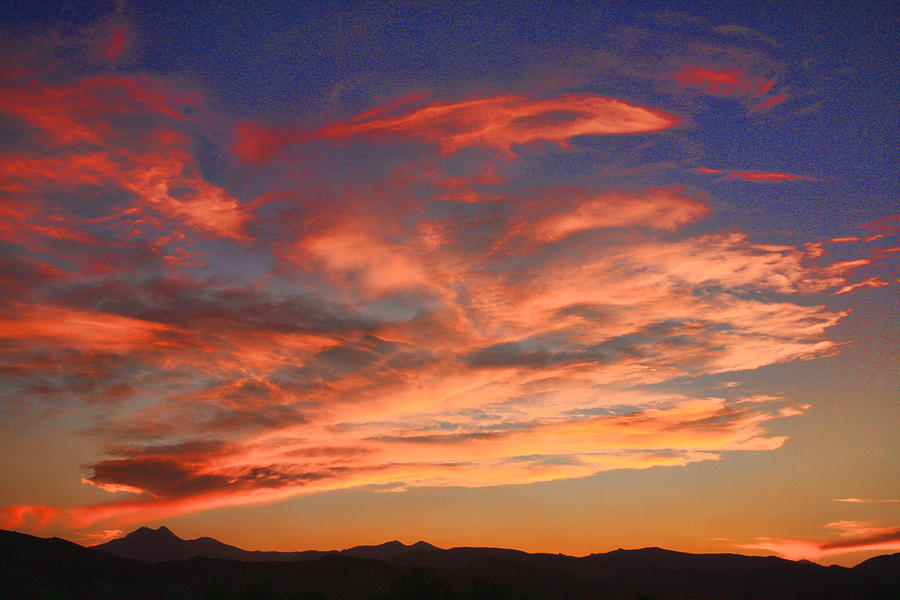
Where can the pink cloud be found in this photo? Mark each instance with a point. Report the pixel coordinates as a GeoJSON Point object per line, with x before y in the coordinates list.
{"type": "Point", "coordinates": [79, 111]}
{"type": "Point", "coordinates": [722, 82]}
{"type": "Point", "coordinates": [162, 175]}
{"type": "Point", "coordinates": [666, 209]}
{"type": "Point", "coordinates": [869, 282]}
{"type": "Point", "coordinates": [496, 364]}
{"type": "Point", "coordinates": [756, 176]}
{"type": "Point", "coordinates": [503, 121]}
{"type": "Point", "coordinates": [27, 516]}
{"type": "Point", "coordinates": [856, 537]}
{"type": "Point", "coordinates": [770, 102]}
{"type": "Point", "coordinates": [92, 538]}
{"type": "Point", "coordinates": [48, 325]}
{"type": "Point", "coordinates": [768, 177]}
{"type": "Point", "coordinates": [867, 500]}
{"type": "Point", "coordinates": [381, 269]}
{"type": "Point", "coordinates": [886, 226]}
{"type": "Point", "coordinates": [114, 49]}
{"type": "Point", "coordinates": [511, 337]}
{"type": "Point", "coordinates": [496, 123]}
{"type": "Point", "coordinates": [168, 481]}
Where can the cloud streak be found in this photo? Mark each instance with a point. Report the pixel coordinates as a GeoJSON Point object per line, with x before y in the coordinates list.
{"type": "Point", "coordinates": [722, 81]}
{"type": "Point", "coordinates": [494, 123]}
{"type": "Point", "coordinates": [755, 176]}
{"type": "Point", "coordinates": [867, 500]}
{"type": "Point", "coordinates": [856, 536]}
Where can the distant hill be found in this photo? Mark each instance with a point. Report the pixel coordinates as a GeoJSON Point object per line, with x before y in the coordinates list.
{"type": "Point", "coordinates": [56, 569]}
{"type": "Point", "coordinates": [387, 551]}
{"type": "Point", "coordinates": [158, 545]}
{"type": "Point", "coordinates": [33, 568]}
{"type": "Point", "coordinates": [887, 565]}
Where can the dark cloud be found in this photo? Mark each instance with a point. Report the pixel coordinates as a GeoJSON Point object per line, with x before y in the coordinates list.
{"type": "Point", "coordinates": [189, 303]}
{"type": "Point", "coordinates": [881, 537]}
{"type": "Point", "coordinates": [158, 476]}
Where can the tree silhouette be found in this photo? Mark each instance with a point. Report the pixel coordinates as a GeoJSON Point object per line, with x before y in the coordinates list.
{"type": "Point", "coordinates": [307, 595]}
{"type": "Point", "coordinates": [482, 589]}
{"type": "Point", "coordinates": [256, 591]}
{"type": "Point", "coordinates": [421, 584]}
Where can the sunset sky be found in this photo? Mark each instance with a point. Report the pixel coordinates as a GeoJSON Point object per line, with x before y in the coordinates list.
{"type": "Point", "coordinates": [561, 279]}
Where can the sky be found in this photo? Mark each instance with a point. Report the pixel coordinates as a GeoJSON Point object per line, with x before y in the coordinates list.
{"type": "Point", "coordinates": [562, 277]}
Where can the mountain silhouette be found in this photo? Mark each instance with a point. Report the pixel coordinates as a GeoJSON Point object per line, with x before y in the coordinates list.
{"type": "Point", "coordinates": [53, 568]}
{"type": "Point", "coordinates": [157, 545]}
{"type": "Point", "coordinates": [886, 565]}
{"type": "Point", "coordinates": [388, 550]}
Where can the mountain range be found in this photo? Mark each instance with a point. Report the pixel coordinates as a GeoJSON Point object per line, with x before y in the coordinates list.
{"type": "Point", "coordinates": [157, 545]}
{"type": "Point", "coordinates": [155, 564]}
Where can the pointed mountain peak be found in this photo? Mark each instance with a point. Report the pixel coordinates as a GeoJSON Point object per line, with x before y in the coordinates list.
{"type": "Point", "coordinates": [147, 533]}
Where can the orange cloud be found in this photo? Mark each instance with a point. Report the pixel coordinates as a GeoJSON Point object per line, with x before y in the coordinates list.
{"type": "Point", "coordinates": [503, 121]}
{"type": "Point", "coordinates": [866, 500]}
{"type": "Point", "coordinates": [162, 175]}
{"type": "Point", "coordinates": [856, 537]}
{"type": "Point", "coordinates": [497, 123]}
{"type": "Point", "coordinates": [79, 112]}
{"type": "Point", "coordinates": [92, 538]}
{"type": "Point", "coordinates": [433, 358]}
{"type": "Point", "coordinates": [381, 269]}
{"type": "Point", "coordinates": [756, 176]}
{"type": "Point", "coordinates": [27, 516]}
{"type": "Point", "coordinates": [869, 282]}
{"type": "Point", "coordinates": [773, 101]}
{"type": "Point", "coordinates": [886, 226]}
{"type": "Point", "coordinates": [54, 326]}
{"type": "Point", "coordinates": [768, 177]}
{"type": "Point", "coordinates": [170, 480]}
{"type": "Point", "coordinates": [722, 82]}
{"type": "Point", "coordinates": [666, 209]}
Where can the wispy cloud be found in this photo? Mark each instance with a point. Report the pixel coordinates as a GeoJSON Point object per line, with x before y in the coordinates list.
{"type": "Point", "coordinates": [117, 42]}
{"type": "Point", "coordinates": [496, 123]}
{"type": "Point", "coordinates": [722, 81]}
{"type": "Point", "coordinates": [755, 176]}
{"type": "Point", "coordinates": [856, 536]}
{"type": "Point", "coordinates": [867, 500]}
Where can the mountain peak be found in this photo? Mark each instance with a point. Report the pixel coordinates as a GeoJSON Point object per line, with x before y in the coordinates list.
{"type": "Point", "coordinates": [384, 551]}
{"type": "Point", "coordinates": [423, 545]}
{"type": "Point", "coordinates": [161, 533]}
